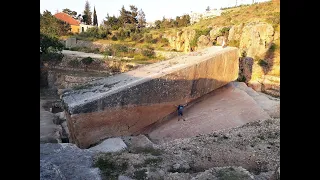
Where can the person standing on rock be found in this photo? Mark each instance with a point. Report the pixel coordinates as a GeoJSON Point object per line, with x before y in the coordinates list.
{"type": "Point", "coordinates": [180, 111]}
{"type": "Point", "coordinates": [224, 43]}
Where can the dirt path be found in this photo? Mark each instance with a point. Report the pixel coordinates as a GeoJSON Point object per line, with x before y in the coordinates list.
{"type": "Point", "coordinates": [225, 108]}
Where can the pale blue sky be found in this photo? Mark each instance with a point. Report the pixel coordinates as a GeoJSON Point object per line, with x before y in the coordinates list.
{"type": "Point", "coordinates": [153, 9]}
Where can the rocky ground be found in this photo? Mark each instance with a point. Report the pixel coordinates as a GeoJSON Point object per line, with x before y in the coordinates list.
{"type": "Point", "coordinates": [251, 151]}
{"type": "Point", "coordinates": [248, 150]}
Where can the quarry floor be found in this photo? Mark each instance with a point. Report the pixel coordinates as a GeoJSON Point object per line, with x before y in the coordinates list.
{"type": "Point", "coordinates": [225, 108]}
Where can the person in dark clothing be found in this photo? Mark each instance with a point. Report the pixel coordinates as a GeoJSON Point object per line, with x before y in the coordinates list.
{"type": "Point", "coordinates": [180, 111]}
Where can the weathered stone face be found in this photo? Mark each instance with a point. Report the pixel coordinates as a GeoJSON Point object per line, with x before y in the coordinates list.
{"type": "Point", "coordinates": [181, 40]}
{"type": "Point", "coordinates": [126, 103]}
{"type": "Point", "coordinates": [203, 41]}
{"type": "Point", "coordinates": [256, 38]}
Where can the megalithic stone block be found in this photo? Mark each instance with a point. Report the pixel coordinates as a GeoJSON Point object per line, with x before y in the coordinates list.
{"type": "Point", "coordinates": [126, 103]}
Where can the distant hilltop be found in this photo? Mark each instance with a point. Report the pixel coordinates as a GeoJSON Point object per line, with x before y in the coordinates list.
{"type": "Point", "coordinates": [195, 16]}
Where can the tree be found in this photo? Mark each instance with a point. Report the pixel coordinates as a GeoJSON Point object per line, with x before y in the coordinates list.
{"type": "Point", "coordinates": [124, 16]}
{"type": "Point", "coordinates": [208, 8]}
{"type": "Point", "coordinates": [112, 22]}
{"type": "Point", "coordinates": [87, 14]}
{"type": "Point", "coordinates": [51, 26]}
{"type": "Point", "coordinates": [70, 13]}
{"type": "Point", "coordinates": [185, 20]}
{"type": "Point", "coordinates": [95, 19]}
{"type": "Point", "coordinates": [157, 24]}
{"type": "Point", "coordinates": [133, 14]}
{"type": "Point", "coordinates": [141, 18]}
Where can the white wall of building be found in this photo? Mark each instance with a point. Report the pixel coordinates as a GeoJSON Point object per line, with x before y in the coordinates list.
{"type": "Point", "coordinates": [83, 27]}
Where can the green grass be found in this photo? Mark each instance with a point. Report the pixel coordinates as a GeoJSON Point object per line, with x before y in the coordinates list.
{"type": "Point", "coordinates": [266, 12]}
{"type": "Point", "coordinates": [109, 167]}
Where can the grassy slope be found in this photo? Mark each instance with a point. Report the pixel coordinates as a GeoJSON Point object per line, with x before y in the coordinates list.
{"type": "Point", "coordinates": [264, 12]}
{"type": "Point", "coordinates": [233, 16]}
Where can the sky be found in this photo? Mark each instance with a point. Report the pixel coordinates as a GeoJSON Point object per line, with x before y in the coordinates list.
{"type": "Point", "coordinates": [153, 9]}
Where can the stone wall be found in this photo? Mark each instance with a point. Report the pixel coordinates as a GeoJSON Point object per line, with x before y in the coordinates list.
{"type": "Point", "coordinates": [126, 103]}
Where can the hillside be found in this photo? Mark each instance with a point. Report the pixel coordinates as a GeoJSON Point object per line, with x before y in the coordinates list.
{"type": "Point", "coordinates": [254, 29]}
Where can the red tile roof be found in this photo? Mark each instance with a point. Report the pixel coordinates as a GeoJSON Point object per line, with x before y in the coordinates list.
{"type": "Point", "coordinates": [66, 18]}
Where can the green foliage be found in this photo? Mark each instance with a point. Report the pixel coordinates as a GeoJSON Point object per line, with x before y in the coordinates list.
{"type": "Point", "coordinates": [70, 12]}
{"type": "Point", "coordinates": [180, 21]}
{"type": "Point", "coordinates": [141, 19]}
{"type": "Point", "coordinates": [164, 41]}
{"type": "Point", "coordinates": [119, 48]}
{"type": "Point", "coordinates": [262, 63]}
{"type": "Point", "coordinates": [96, 32]}
{"type": "Point", "coordinates": [242, 78]}
{"type": "Point", "coordinates": [273, 47]}
{"type": "Point", "coordinates": [50, 44]}
{"type": "Point", "coordinates": [149, 39]}
{"type": "Point", "coordinates": [123, 34]}
{"type": "Point", "coordinates": [51, 26]}
{"type": "Point", "coordinates": [112, 22]}
{"type": "Point", "coordinates": [148, 53]}
{"type": "Point", "coordinates": [87, 60]}
{"type": "Point", "coordinates": [110, 168]}
{"type": "Point", "coordinates": [87, 14]}
{"type": "Point", "coordinates": [194, 41]}
{"type": "Point", "coordinates": [95, 18]}
{"type": "Point", "coordinates": [136, 36]}
{"type": "Point", "coordinates": [224, 31]}
{"type": "Point", "coordinates": [274, 18]}
{"type": "Point", "coordinates": [114, 38]}
{"type": "Point", "coordinates": [50, 49]}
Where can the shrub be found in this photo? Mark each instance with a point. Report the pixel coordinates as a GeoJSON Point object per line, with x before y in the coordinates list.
{"type": "Point", "coordinates": [224, 31]}
{"type": "Point", "coordinates": [114, 38]}
{"type": "Point", "coordinates": [110, 168]}
{"type": "Point", "coordinates": [148, 38]}
{"type": "Point", "coordinates": [194, 41]}
{"type": "Point", "coordinates": [120, 48]}
{"type": "Point", "coordinates": [243, 54]}
{"type": "Point", "coordinates": [164, 40]}
{"type": "Point", "coordinates": [148, 53]}
{"type": "Point", "coordinates": [87, 61]}
{"type": "Point", "coordinates": [49, 44]}
{"type": "Point", "coordinates": [262, 63]}
{"type": "Point", "coordinates": [136, 36]}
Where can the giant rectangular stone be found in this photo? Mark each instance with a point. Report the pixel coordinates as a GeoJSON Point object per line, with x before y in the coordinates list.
{"type": "Point", "coordinates": [126, 103]}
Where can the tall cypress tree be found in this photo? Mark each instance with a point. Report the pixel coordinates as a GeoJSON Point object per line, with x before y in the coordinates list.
{"type": "Point", "coordinates": [95, 19]}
